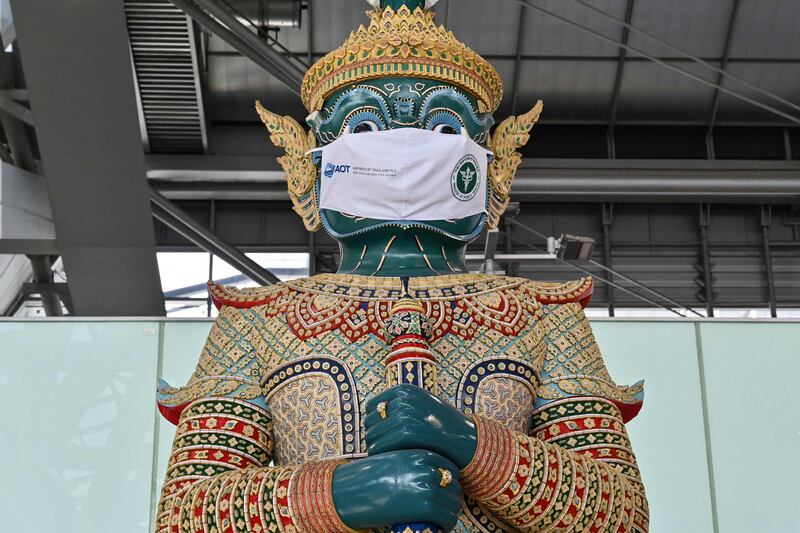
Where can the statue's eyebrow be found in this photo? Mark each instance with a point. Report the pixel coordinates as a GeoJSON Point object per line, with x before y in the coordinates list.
{"type": "Point", "coordinates": [457, 96]}
{"type": "Point", "coordinates": [362, 90]}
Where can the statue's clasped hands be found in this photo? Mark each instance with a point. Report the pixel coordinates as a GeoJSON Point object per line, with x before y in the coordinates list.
{"type": "Point", "coordinates": [417, 445]}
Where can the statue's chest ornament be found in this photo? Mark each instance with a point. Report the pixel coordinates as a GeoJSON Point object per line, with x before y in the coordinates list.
{"type": "Point", "coordinates": [357, 306]}
{"type": "Point", "coordinates": [507, 311]}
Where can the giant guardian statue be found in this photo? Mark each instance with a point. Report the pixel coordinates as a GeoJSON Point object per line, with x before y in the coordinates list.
{"type": "Point", "coordinates": [403, 392]}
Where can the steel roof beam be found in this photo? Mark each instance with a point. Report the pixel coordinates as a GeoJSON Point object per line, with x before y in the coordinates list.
{"type": "Point", "coordinates": [684, 53]}
{"type": "Point", "coordinates": [14, 126]}
{"type": "Point", "coordinates": [518, 59]}
{"type": "Point", "coordinates": [76, 60]}
{"type": "Point", "coordinates": [225, 26]}
{"type": "Point", "coordinates": [591, 183]}
{"type": "Point", "coordinates": [16, 110]}
{"type": "Point", "coordinates": [669, 66]}
{"type": "Point", "coordinates": [29, 246]}
{"type": "Point", "coordinates": [589, 58]}
{"type": "Point", "coordinates": [726, 52]}
{"type": "Point", "coordinates": [177, 219]}
{"type": "Point", "coordinates": [43, 276]}
{"type": "Point", "coordinates": [623, 53]}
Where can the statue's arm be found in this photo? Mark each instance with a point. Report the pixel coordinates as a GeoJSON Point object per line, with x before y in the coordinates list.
{"type": "Point", "coordinates": [576, 471]}
{"type": "Point", "coordinates": [218, 476]}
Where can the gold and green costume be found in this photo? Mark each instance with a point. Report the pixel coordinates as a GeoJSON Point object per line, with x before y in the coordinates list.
{"type": "Point", "coordinates": [286, 370]}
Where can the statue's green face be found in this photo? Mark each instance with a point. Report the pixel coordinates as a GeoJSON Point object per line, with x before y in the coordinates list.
{"type": "Point", "coordinates": [400, 103]}
{"type": "Point", "coordinates": [392, 103]}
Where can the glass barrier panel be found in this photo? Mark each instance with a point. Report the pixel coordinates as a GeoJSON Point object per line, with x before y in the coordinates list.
{"type": "Point", "coordinates": [183, 342]}
{"type": "Point", "coordinates": [751, 375]}
{"type": "Point", "coordinates": [667, 435]}
{"type": "Point", "coordinates": [76, 433]}
{"type": "Point", "coordinates": [76, 427]}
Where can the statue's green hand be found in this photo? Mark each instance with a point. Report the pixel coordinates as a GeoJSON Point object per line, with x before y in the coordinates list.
{"type": "Point", "coordinates": [397, 487]}
{"type": "Point", "coordinates": [417, 419]}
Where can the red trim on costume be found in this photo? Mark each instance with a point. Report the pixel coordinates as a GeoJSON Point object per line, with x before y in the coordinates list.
{"type": "Point", "coordinates": [603, 502]}
{"type": "Point", "coordinates": [582, 296]}
{"type": "Point", "coordinates": [220, 296]}
{"type": "Point", "coordinates": [414, 356]}
{"type": "Point", "coordinates": [172, 412]}
{"type": "Point", "coordinates": [225, 511]}
{"type": "Point", "coordinates": [199, 509]}
{"type": "Point", "coordinates": [227, 457]}
{"type": "Point", "coordinates": [577, 501]}
{"type": "Point", "coordinates": [548, 496]}
{"type": "Point", "coordinates": [255, 504]}
{"type": "Point", "coordinates": [281, 493]}
{"type": "Point", "coordinates": [595, 423]}
{"type": "Point", "coordinates": [410, 338]}
{"type": "Point", "coordinates": [628, 410]}
{"type": "Point", "coordinates": [604, 453]}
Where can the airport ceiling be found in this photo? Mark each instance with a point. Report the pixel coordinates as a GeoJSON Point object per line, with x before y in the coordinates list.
{"type": "Point", "coordinates": [646, 101]}
{"type": "Point", "coordinates": [550, 51]}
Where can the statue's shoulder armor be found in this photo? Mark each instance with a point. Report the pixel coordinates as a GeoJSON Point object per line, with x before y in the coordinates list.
{"type": "Point", "coordinates": [231, 361]}
{"type": "Point", "coordinates": [572, 364]}
{"type": "Point", "coordinates": [247, 297]}
{"type": "Point", "coordinates": [548, 293]}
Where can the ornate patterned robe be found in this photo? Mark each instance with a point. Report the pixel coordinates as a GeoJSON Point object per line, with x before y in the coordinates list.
{"type": "Point", "coordinates": [287, 370]}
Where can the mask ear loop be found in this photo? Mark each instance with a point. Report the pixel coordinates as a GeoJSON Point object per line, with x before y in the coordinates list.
{"type": "Point", "coordinates": [316, 153]}
{"type": "Point", "coordinates": [489, 153]}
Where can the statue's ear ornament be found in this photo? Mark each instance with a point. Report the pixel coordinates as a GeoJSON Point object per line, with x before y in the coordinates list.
{"type": "Point", "coordinates": [511, 134]}
{"type": "Point", "coordinates": [301, 174]}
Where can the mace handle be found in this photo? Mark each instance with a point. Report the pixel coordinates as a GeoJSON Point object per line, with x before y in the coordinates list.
{"type": "Point", "coordinates": [406, 365]}
{"type": "Point", "coordinates": [416, 527]}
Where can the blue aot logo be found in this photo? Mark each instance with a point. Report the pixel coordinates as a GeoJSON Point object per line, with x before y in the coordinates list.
{"type": "Point", "coordinates": [331, 169]}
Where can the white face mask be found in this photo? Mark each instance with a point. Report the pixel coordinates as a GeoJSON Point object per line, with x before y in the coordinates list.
{"type": "Point", "coordinates": [404, 174]}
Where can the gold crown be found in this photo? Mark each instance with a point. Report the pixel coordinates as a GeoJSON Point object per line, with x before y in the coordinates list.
{"type": "Point", "coordinates": [402, 43]}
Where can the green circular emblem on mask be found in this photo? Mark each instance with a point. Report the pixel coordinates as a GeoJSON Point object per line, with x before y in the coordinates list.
{"type": "Point", "coordinates": [465, 178]}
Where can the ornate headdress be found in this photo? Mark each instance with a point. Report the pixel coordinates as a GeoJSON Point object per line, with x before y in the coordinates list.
{"type": "Point", "coordinates": [406, 43]}
{"type": "Point", "coordinates": [401, 40]}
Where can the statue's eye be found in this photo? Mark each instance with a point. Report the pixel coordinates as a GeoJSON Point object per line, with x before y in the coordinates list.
{"type": "Point", "coordinates": [364, 126]}
{"type": "Point", "coordinates": [444, 121]}
{"type": "Point", "coordinates": [445, 128]}
{"type": "Point", "coordinates": [364, 120]}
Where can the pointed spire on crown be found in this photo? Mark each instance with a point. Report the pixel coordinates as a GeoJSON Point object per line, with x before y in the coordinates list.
{"type": "Point", "coordinates": [402, 40]}
{"type": "Point", "coordinates": [397, 4]}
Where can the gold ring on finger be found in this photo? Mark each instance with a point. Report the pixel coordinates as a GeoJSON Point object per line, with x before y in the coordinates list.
{"type": "Point", "coordinates": [382, 410]}
{"type": "Point", "coordinates": [447, 477]}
